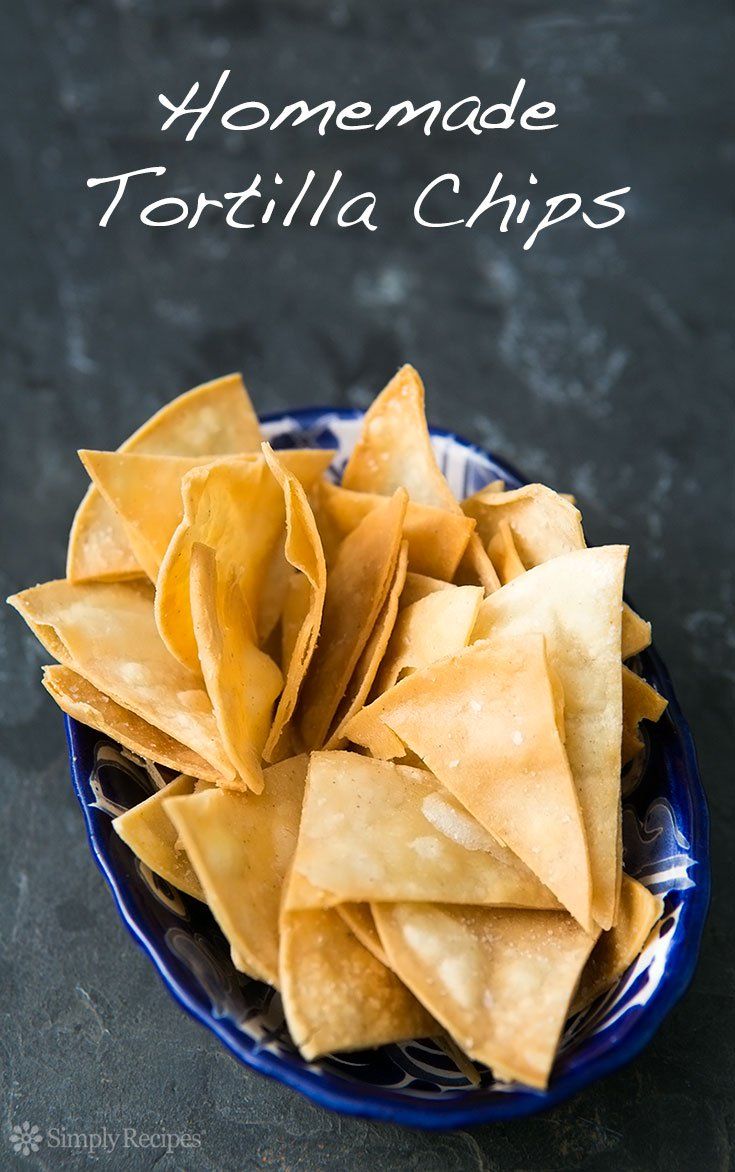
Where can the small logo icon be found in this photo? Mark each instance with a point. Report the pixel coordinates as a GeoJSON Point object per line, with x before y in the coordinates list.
{"type": "Point", "coordinates": [25, 1138]}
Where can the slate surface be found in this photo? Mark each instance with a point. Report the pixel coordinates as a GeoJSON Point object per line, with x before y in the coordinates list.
{"type": "Point", "coordinates": [601, 362]}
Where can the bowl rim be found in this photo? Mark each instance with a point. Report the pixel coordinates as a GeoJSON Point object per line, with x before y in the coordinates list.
{"type": "Point", "coordinates": [465, 1108]}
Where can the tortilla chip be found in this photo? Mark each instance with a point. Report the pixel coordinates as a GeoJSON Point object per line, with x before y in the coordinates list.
{"type": "Point", "coordinates": [303, 552]}
{"type": "Point", "coordinates": [236, 507]}
{"type": "Point", "coordinates": [152, 839]}
{"type": "Point", "coordinates": [432, 628]}
{"type": "Point", "coordinates": [616, 950]}
{"type": "Point", "coordinates": [575, 601]}
{"type": "Point", "coordinates": [85, 703]}
{"type": "Point", "coordinates": [242, 681]}
{"type": "Point", "coordinates": [636, 635]}
{"type": "Point", "coordinates": [640, 702]}
{"type": "Point", "coordinates": [359, 919]}
{"type": "Point", "coordinates": [476, 567]}
{"type": "Point", "coordinates": [544, 525]}
{"type": "Point", "coordinates": [504, 555]}
{"type": "Point", "coordinates": [499, 980]}
{"type": "Point", "coordinates": [213, 419]}
{"type": "Point", "coordinates": [105, 631]}
{"type": "Point", "coordinates": [366, 669]}
{"type": "Point", "coordinates": [336, 995]}
{"type": "Point", "coordinates": [295, 610]}
{"type": "Point", "coordinates": [417, 586]}
{"type": "Point", "coordinates": [394, 449]}
{"type": "Point", "coordinates": [356, 590]}
{"type": "Point", "coordinates": [240, 846]}
{"type": "Point", "coordinates": [485, 723]}
{"type": "Point", "coordinates": [375, 831]}
{"type": "Point", "coordinates": [436, 538]}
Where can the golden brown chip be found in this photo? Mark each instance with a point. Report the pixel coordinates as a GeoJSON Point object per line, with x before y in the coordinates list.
{"type": "Point", "coordinates": [417, 586]}
{"type": "Point", "coordinates": [85, 703]}
{"type": "Point", "coordinates": [216, 418]}
{"type": "Point", "coordinates": [498, 979]}
{"type": "Point", "coordinates": [504, 555]}
{"type": "Point", "coordinates": [356, 590]}
{"type": "Point", "coordinates": [477, 568]}
{"type": "Point", "coordinates": [242, 681]}
{"type": "Point", "coordinates": [640, 702]}
{"type": "Point", "coordinates": [485, 723]}
{"type": "Point", "coordinates": [575, 601]}
{"type": "Point", "coordinates": [303, 552]}
{"type": "Point", "coordinates": [437, 538]}
{"type": "Point", "coordinates": [105, 631]}
{"type": "Point", "coordinates": [336, 995]}
{"type": "Point", "coordinates": [148, 832]}
{"type": "Point", "coordinates": [240, 846]}
{"type": "Point", "coordinates": [376, 831]}
{"type": "Point", "coordinates": [616, 949]}
{"type": "Point", "coordinates": [366, 669]}
{"type": "Point", "coordinates": [435, 626]}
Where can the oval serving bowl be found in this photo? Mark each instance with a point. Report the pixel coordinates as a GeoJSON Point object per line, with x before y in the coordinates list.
{"type": "Point", "coordinates": [665, 838]}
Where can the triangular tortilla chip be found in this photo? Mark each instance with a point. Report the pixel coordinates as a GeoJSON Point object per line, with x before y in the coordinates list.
{"type": "Point", "coordinates": [418, 586]}
{"type": "Point", "coordinates": [640, 702]}
{"type": "Point", "coordinates": [213, 419]}
{"type": "Point", "coordinates": [437, 538]}
{"type": "Point", "coordinates": [85, 703]}
{"type": "Point", "coordinates": [436, 626]}
{"type": "Point", "coordinates": [148, 832]}
{"type": "Point", "coordinates": [636, 635]}
{"type": "Point", "coordinates": [336, 995]}
{"type": "Point", "coordinates": [394, 448]}
{"type": "Point", "coordinates": [499, 980]}
{"type": "Point", "coordinates": [356, 590]}
{"type": "Point", "coordinates": [242, 681]}
{"type": "Point", "coordinates": [366, 669]}
{"type": "Point", "coordinates": [240, 846]}
{"type": "Point", "coordinates": [485, 723]}
{"type": "Point", "coordinates": [359, 919]}
{"type": "Point", "coordinates": [575, 601]}
{"type": "Point", "coordinates": [303, 552]}
{"type": "Point", "coordinates": [476, 567]}
{"type": "Point", "coordinates": [105, 631]}
{"type": "Point", "coordinates": [616, 950]}
{"type": "Point", "coordinates": [375, 831]}
{"type": "Point", "coordinates": [236, 507]}
{"type": "Point", "coordinates": [504, 555]}
{"type": "Point", "coordinates": [544, 525]}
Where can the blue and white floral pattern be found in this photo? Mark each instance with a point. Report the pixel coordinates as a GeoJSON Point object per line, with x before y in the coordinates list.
{"type": "Point", "coordinates": [416, 1083]}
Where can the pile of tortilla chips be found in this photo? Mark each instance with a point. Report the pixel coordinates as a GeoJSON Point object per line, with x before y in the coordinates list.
{"type": "Point", "coordinates": [397, 721]}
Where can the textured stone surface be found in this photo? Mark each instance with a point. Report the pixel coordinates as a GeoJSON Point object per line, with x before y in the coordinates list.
{"type": "Point", "coordinates": [600, 362]}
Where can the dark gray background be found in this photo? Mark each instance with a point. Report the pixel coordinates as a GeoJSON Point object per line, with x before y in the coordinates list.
{"type": "Point", "coordinates": [601, 362]}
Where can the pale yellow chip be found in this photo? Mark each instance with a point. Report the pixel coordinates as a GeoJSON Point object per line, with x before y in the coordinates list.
{"type": "Point", "coordinates": [394, 448]}
{"type": "Point", "coordinates": [417, 586]}
{"type": "Point", "coordinates": [437, 538]}
{"type": "Point", "coordinates": [575, 600]}
{"type": "Point", "coordinates": [359, 919]}
{"type": "Point", "coordinates": [216, 418]}
{"type": "Point", "coordinates": [476, 567]}
{"type": "Point", "coordinates": [366, 669]}
{"type": "Point", "coordinates": [85, 703]}
{"type": "Point", "coordinates": [640, 702]}
{"type": "Point", "coordinates": [615, 951]}
{"type": "Point", "coordinates": [376, 831]}
{"type": "Point", "coordinates": [485, 722]}
{"type": "Point", "coordinates": [236, 507]}
{"type": "Point", "coordinates": [499, 980]}
{"type": "Point", "coordinates": [356, 590]}
{"type": "Point", "coordinates": [336, 995]}
{"type": "Point", "coordinates": [544, 525]}
{"type": "Point", "coordinates": [435, 626]}
{"type": "Point", "coordinates": [105, 631]}
{"type": "Point", "coordinates": [303, 553]}
{"type": "Point", "coordinates": [636, 634]}
{"type": "Point", "coordinates": [242, 681]}
{"type": "Point", "coordinates": [240, 846]}
{"type": "Point", "coordinates": [504, 555]}
{"type": "Point", "coordinates": [146, 829]}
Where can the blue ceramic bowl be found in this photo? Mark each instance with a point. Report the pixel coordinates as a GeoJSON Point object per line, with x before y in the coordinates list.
{"type": "Point", "coordinates": [665, 835]}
